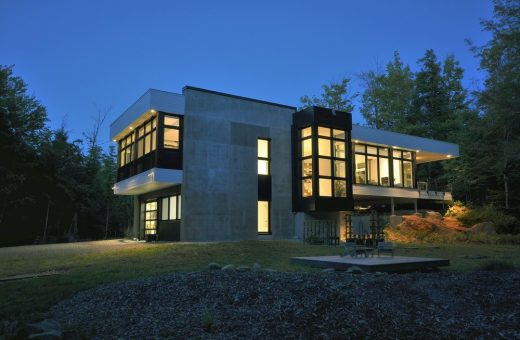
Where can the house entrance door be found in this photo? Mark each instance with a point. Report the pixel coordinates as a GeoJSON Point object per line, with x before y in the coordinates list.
{"type": "Point", "coordinates": [150, 220]}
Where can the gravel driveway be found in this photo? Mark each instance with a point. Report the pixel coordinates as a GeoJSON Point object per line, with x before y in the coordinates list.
{"type": "Point", "coordinates": [258, 304]}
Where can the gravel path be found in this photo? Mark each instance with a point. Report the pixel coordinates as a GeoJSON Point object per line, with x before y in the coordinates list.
{"type": "Point", "coordinates": [229, 304]}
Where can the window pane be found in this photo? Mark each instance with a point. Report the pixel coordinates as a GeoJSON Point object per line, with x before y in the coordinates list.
{"type": "Point", "coordinates": [171, 138]}
{"type": "Point", "coordinates": [171, 121]}
{"type": "Point", "coordinates": [408, 174]}
{"type": "Point", "coordinates": [179, 207]}
{"type": "Point", "coordinates": [147, 143]}
{"type": "Point", "coordinates": [154, 140]}
{"type": "Point", "coordinates": [164, 207]}
{"type": "Point", "coordinates": [360, 169]}
{"type": "Point", "coordinates": [397, 173]}
{"type": "Point", "coordinates": [148, 127]}
{"type": "Point", "coordinates": [407, 155]}
{"type": "Point", "coordinates": [128, 155]}
{"type": "Point", "coordinates": [307, 187]}
{"type": "Point", "coordinates": [324, 167]}
{"type": "Point", "coordinates": [383, 151]}
{"type": "Point", "coordinates": [384, 172]}
{"type": "Point", "coordinates": [154, 123]}
{"type": "Point", "coordinates": [306, 147]}
{"type": "Point", "coordinates": [323, 131]}
{"type": "Point", "coordinates": [173, 207]}
{"type": "Point", "coordinates": [339, 149]}
{"type": "Point", "coordinates": [263, 148]}
{"type": "Point", "coordinates": [151, 205]}
{"type": "Point", "coordinates": [263, 216]}
{"type": "Point", "coordinates": [307, 167]}
{"type": "Point", "coordinates": [372, 150]}
{"type": "Point", "coordinates": [325, 187]}
{"type": "Point", "coordinates": [306, 132]}
{"type": "Point", "coordinates": [340, 188]}
{"type": "Point", "coordinates": [338, 134]}
{"type": "Point", "coordinates": [360, 148]}
{"type": "Point", "coordinates": [397, 153]}
{"type": "Point", "coordinates": [123, 143]}
{"type": "Point", "coordinates": [323, 147]}
{"type": "Point", "coordinates": [263, 167]}
{"type": "Point", "coordinates": [140, 148]}
{"type": "Point", "coordinates": [121, 159]}
{"type": "Point", "coordinates": [339, 169]}
{"type": "Point", "coordinates": [372, 170]}
{"type": "Point", "coordinates": [140, 132]}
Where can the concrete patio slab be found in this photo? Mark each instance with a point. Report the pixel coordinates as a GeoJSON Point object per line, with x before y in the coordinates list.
{"type": "Point", "coordinates": [373, 264]}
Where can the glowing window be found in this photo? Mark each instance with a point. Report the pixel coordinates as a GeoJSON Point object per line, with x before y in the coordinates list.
{"type": "Point", "coordinates": [263, 216]}
{"type": "Point", "coordinates": [171, 138]}
{"type": "Point", "coordinates": [263, 156]}
{"type": "Point", "coordinates": [323, 147]}
{"type": "Point", "coordinates": [307, 147]}
{"type": "Point", "coordinates": [325, 187]}
{"type": "Point", "coordinates": [323, 131]}
{"type": "Point", "coordinates": [307, 187]}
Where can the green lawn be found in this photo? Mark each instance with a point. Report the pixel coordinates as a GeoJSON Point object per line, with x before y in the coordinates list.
{"type": "Point", "coordinates": [26, 299]}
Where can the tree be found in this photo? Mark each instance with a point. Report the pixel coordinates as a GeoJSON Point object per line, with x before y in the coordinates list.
{"type": "Point", "coordinates": [500, 100]}
{"type": "Point", "coordinates": [386, 101]}
{"type": "Point", "coordinates": [335, 96]}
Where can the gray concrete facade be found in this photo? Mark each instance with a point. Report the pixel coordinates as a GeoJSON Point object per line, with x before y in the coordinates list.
{"type": "Point", "coordinates": [220, 182]}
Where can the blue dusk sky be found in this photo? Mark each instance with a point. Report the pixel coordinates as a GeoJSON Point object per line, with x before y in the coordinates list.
{"type": "Point", "coordinates": [77, 56]}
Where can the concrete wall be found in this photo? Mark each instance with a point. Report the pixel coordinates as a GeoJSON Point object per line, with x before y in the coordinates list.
{"type": "Point", "coordinates": [220, 182]}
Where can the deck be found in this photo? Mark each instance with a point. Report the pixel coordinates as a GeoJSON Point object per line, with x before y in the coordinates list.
{"type": "Point", "coordinates": [373, 264]}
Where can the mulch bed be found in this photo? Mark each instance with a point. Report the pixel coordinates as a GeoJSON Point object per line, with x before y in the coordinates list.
{"type": "Point", "coordinates": [259, 304]}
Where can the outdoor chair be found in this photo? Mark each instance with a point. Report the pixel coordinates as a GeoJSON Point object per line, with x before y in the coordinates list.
{"type": "Point", "coordinates": [350, 249]}
{"type": "Point", "coordinates": [385, 247]}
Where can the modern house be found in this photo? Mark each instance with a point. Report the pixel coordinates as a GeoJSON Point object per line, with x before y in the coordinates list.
{"type": "Point", "coordinates": [207, 166]}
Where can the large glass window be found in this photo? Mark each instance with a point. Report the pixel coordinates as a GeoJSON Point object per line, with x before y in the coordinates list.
{"type": "Point", "coordinates": [171, 135]}
{"type": "Point", "coordinates": [138, 143]}
{"type": "Point", "coordinates": [332, 168]}
{"type": "Point", "coordinates": [263, 217]}
{"type": "Point", "coordinates": [171, 208]}
{"type": "Point", "coordinates": [263, 156]}
{"type": "Point", "coordinates": [373, 165]}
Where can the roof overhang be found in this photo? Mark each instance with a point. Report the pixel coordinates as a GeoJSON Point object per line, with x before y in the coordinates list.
{"type": "Point", "coordinates": [145, 107]}
{"type": "Point", "coordinates": [427, 150]}
{"type": "Point", "coordinates": [151, 180]}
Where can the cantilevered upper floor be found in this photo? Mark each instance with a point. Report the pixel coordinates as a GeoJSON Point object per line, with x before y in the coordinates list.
{"type": "Point", "coordinates": [149, 138]}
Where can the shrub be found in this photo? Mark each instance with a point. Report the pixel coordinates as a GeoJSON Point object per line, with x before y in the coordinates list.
{"type": "Point", "coordinates": [208, 321]}
{"type": "Point", "coordinates": [504, 223]}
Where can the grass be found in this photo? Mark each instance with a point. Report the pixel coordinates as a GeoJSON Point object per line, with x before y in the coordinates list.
{"type": "Point", "coordinates": [27, 299]}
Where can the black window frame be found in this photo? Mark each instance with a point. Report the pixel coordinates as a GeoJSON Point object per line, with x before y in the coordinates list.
{"type": "Point", "coordinates": [178, 128]}
{"type": "Point", "coordinates": [178, 211]}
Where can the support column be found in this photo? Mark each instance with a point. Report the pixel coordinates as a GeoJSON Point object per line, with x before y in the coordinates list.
{"type": "Point", "coordinates": [392, 206]}
{"type": "Point", "coordinates": [135, 226]}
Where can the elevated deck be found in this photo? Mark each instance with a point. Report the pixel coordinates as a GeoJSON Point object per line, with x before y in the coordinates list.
{"type": "Point", "coordinates": [373, 264]}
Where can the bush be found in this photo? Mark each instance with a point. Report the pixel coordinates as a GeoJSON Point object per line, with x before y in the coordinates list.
{"type": "Point", "coordinates": [504, 223]}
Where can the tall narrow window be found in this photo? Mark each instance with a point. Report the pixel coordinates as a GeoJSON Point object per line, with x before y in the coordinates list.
{"type": "Point", "coordinates": [332, 170]}
{"type": "Point", "coordinates": [171, 136]}
{"type": "Point", "coordinates": [264, 185]}
{"type": "Point", "coordinates": [150, 219]}
{"type": "Point", "coordinates": [263, 217]}
{"type": "Point", "coordinates": [306, 160]}
{"type": "Point", "coordinates": [263, 157]}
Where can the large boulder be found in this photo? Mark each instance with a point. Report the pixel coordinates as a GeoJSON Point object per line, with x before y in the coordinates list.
{"type": "Point", "coordinates": [484, 227]}
{"type": "Point", "coordinates": [433, 215]}
{"type": "Point", "coordinates": [395, 220]}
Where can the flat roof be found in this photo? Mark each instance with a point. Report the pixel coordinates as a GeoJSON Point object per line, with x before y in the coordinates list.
{"type": "Point", "coordinates": [188, 87]}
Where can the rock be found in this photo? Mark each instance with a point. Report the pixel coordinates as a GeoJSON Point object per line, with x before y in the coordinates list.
{"type": "Point", "coordinates": [243, 269]}
{"type": "Point", "coordinates": [395, 220]}
{"type": "Point", "coordinates": [257, 266]}
{"type": "Point", "coordinates": [213, 266]}
{"type": "Point", "coordinates": [433, 215]}
{"type": "Point", "coordinates": [328, 270]}
{"type": "Point", "coordinates": [269, 270]}
{"type": "Point", "coordinates": [484, 227]}
{"type": "Point", "coordinates": [355, 270]}
{"type": "Point", "coordinates": [228, 267]}
{"type": "Point", "coordinates": [46, 329]}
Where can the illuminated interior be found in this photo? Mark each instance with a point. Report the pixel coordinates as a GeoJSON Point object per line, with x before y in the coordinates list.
{"type": "Point", "coordinates": [263, 216]}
